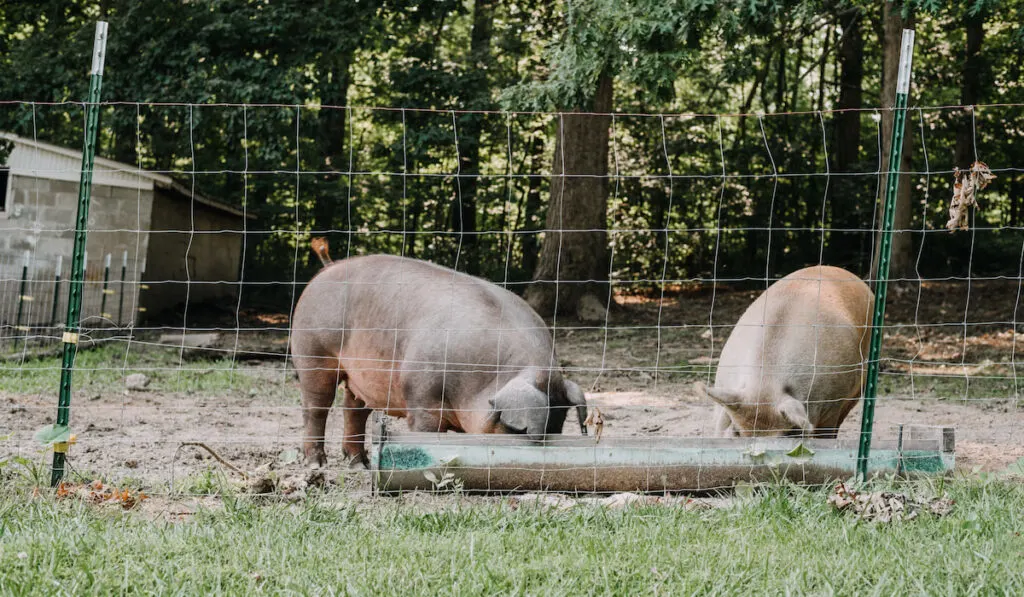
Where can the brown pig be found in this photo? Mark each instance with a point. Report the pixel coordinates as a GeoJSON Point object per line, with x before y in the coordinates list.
{"type": "Point", "coordinates": [794, 363]}
{"type": "Point", "coordinates": [446, 350]}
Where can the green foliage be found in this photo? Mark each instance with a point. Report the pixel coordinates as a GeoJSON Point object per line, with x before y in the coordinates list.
{"type": "Point", "coordinates": [406, 180]}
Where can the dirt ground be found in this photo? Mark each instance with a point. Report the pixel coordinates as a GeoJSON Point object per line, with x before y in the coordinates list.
{"type": "Point", "coordinates": [639, 370]}
{"type": "Point", "coordinates": [139, 436]}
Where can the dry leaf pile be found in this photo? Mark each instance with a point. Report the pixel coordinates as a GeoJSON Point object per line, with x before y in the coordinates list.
{"type": "Point", "coordinates": [966, 184]}
{"type": "Point", "coordinates": [886, 506]}
{"type": "Point", "coordinates": [98, 493]}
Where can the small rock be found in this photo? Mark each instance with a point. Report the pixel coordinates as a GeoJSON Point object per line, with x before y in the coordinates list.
{"type": "Point", "coordinates": [316, 478]}
{"type": "Point", "coordinates": [550, 500]}
{"type": "Point", "coordinates": [261, 485]}
{"type": "Point", "coordinates": [136, 381]}
{"type": "Point", "coordinates": [131, 463]}
{"type": "Point", "coordinates": [294, 487]}
{"type": "Point", "coordinates": [620, 500]}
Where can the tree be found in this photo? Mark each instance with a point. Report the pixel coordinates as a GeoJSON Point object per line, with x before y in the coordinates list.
{"type": "Point", "coordinates": [846, 142]}
{"type": "Point", "coordinates": [574, 257]}
{"type": "Point", "coordinates": [639, 42]}
{"type": "Point", "coordinates": [472, 128]}
{"type": "Point", "coordinates": [851, 93]}
{"type": "Point", "coordinates": [901, 264]}
{"type": "Point", "coordinates": [971, 84]}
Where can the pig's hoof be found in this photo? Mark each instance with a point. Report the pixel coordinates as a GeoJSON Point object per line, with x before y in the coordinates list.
{"type": "Point", "coordinates": [357, 462]}
{"type": "Point", "coordinates": [316, 459]}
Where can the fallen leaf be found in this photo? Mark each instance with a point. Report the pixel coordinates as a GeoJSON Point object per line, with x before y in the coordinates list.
{"type": "Point", "coordinates": [800, 451]}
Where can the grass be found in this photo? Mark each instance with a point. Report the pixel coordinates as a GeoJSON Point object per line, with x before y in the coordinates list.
{"type": "Point", "coordinates": [104, 368]}
{"type": "Point", "coordinates": [786, 541]}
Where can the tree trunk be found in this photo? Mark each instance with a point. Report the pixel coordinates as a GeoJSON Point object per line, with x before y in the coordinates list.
{"type": "Point", "coordinates": [851, 94]}
{"type": "Point", "coordinates": [780, 77]}
{"type": "Point", "coordinates": [849, 211]}
{"type": "Point", "coordinates": [574, 257]}
{"type": "Point", "coordinates": [532, 208]}
{"type": "Point", "coordinates": [901, 264]}
{"type": "Point", "coordinates": [331, 136]}
{"type": "Point", "coordinates": [469, 134]}
{"type": "Point", "coordinates": [970, 90]}
{"type": "Point", "coordinates": [822, 67]}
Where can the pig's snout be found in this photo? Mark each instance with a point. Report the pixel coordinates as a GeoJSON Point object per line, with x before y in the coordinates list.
{"type": "Point", "coordinates": [522, 408]}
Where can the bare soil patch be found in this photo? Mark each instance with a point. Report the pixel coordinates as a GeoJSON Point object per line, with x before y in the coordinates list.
{"type": "Point", "coordinates": [638, 369]}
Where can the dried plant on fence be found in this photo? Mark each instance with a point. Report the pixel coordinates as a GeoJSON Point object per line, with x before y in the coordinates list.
{"type": "Point", "coordinates": [886, 506]}
{"type": "Point", "coordinates": [966, 184]}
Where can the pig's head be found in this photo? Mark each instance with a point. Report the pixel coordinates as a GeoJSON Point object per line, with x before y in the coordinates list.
{"type": "Point", "coordinates": [521, 407]}
{"type": "Point", "coordinates": [761, 415]}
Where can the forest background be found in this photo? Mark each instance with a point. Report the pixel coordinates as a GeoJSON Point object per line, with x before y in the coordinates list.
{"type": "Point", "coordinates": [656, 142]}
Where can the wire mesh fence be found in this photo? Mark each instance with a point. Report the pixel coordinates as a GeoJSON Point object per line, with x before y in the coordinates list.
{"type": "Point", "coordinates": [33, 299]}
{"type": "Point", "coordinates": [200, 248]}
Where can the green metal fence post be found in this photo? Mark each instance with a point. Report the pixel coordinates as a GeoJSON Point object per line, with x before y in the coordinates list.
{"type": "Point", "coordinates": [77, 278]}
{"type": "Point", "coordinates": [885, 250]}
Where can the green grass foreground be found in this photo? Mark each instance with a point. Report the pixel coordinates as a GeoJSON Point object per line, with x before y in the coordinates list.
{"type": "Point", "coordinates": [785, 541]}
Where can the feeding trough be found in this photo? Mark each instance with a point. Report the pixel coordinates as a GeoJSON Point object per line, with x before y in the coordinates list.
{"type": "Point", "coordinates": [404, 461]}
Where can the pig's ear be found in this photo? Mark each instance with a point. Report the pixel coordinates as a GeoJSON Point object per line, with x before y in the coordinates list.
{"type": "Point", "coordinates": [576, 398]}
{"type": "Point", "coordinates": [794, 411]}
{"type": "Point", "coordinates": [522, 408]}
{"type": "Point", "coordinates": [729, 399]}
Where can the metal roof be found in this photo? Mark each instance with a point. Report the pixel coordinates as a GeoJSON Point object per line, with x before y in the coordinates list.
{"type": "Point", "coordinates": [39, 159]}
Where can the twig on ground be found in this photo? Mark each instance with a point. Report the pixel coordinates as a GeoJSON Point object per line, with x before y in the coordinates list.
{"type": "Point", "coordinates": [217, 456]}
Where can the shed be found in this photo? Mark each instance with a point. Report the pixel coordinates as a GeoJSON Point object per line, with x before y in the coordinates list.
{"type": "Point", "coordinates": [172, 244]}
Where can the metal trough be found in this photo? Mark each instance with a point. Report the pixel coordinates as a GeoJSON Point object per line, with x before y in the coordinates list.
{"type": "Point", "coordinates": [400, 461]}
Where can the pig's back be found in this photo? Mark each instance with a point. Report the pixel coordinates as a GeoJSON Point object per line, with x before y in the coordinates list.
{"type": "Point", "coordinates": [807, 324]}
{"type": "Point", "coordinates": [433, 308]}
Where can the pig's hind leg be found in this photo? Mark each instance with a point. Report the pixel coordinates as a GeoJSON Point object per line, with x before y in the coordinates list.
{"type": "Point", "coordinates": [354, 440]}
{"type": "Point", "coordinates": [318, 380]}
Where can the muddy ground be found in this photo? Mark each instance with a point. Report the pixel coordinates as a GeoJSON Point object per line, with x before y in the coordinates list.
{"type": "Point", "coordinates": [639, 370]}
